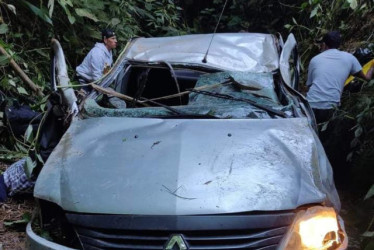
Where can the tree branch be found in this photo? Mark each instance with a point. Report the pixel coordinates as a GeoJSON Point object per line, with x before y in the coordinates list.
{"type": "Point", "coordinates": [22, 74]}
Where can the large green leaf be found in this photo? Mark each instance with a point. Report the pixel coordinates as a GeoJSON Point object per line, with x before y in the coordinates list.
{"type": "Point", "coordinates": [370, 193]}
{"type": "Point", "coordinates": [3, 28]}
{"type": "Point", "coordinates": [7, 155]}
{"type": "Point", "coordinates": [51, 6]}
{"type": "Point", "coordinates": [29, 134]}
{"type": "Point", "coordinates": [12, 8]}
{"type": "Point", "coordinates": [4, 60]}
{"type": "Point", "coordinates": [352, 4]}
{"type": "Point", "coordinates": [42, 53]}
{"type": "Point", "coordinates": [22, 90]}
{"type": "Point", "coordinates": [39, 12]}
{"type": "Point", "coordinates": [86, 13]}
{"type": "Point", "coordinates": [71, 19]}
{"type": "Point", "coordinates": [314, 12]}
{"type": "Point", "coordinates": [12, 82]}
{"type": "Point", "coordinates": [64, 4]}
{"type": "Point", "coordinates": [26, 218]}
{"type": "Point", "coordinates": [115, 21]}
{"type": "Point", "coordinates": [29, 166]}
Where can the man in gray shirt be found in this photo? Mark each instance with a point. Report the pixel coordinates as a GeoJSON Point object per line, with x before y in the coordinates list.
{"type": "Point", "coordinates": [99, 60]}
{"type": "Point", "coordinates": [326, 76]}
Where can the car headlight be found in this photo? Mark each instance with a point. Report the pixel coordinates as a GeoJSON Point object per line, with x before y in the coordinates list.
{"type": "Point", "coordinates": [316, 228]}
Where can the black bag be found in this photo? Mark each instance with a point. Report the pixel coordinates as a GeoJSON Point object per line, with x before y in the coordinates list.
{"type": "Point", "coordinates": [53, 126]}
{"type": "Point", "coordinates": [19, 117]}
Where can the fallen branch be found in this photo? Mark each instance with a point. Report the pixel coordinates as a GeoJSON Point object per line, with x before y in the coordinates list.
{"type": "Point", "coordinates": [143, 102]}
{"type": "Point", "coordinates": [22, 74]}
{"type": "Point", "coordinates": [187, 92]}
{"type": "Point", "coordinates": [115, 93]}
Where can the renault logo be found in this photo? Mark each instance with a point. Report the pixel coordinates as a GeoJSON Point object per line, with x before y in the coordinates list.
{"type": "Point", "coordinates": [176, 242]}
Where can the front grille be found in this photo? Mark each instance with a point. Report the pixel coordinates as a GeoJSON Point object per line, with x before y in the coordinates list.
{"type": "Point", "coordinates": [254, 231]}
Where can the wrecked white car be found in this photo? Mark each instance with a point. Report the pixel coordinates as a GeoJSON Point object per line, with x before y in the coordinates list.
{"type": "Point", "coordinates": [204, 144]}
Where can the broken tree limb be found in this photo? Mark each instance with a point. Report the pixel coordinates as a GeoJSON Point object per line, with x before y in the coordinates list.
{"type": "Point", "coordinates": [187, 92]}
{"type": "Point", "coordinates": [143, 102]}
{"type": "Point", "coordinates": [22, 74]}
{"type": "Point", "coordinates": [115, 93]}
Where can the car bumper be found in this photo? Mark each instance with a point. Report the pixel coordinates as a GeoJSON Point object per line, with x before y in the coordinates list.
{"type": "Point", "coordinates": [36, 242]}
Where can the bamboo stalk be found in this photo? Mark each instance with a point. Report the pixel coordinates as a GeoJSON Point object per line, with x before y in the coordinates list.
{"type": "Point", "coordinates": [131, 99]}
{"type": "Point", "coordinates": [115, 93]}
{"type": "Point", "coordinates": [186, 92]}
{"type": "Point", "coordinates": [22, 74]}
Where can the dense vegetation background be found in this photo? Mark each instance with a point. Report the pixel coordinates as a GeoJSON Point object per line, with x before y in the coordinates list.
{"type": "Point", "coordinates": [27, 26]}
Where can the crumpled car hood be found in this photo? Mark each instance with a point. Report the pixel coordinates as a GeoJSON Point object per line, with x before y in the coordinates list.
{"type": "Point", "coordinates": [151, 166]}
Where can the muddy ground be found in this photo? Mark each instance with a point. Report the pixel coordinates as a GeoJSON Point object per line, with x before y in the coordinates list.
{"type": "Point", "coordinates": [13, 238]}
{"type": "Point", "coordinates": [355, 212]}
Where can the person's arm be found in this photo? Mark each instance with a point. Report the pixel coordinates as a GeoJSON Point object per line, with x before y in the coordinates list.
{"type": "Point", "coordinates": [368, 76]}
{"type": "Point", "coordinates": [309, 80]}
{"type": "Point", "coordinates": [97, 65]}
{"type": "Point", "coordinates": [357, 70]}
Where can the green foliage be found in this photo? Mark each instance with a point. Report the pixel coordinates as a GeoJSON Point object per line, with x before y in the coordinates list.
{"type": "Point", "coordinates": [370, 193]}
{"type": "Point", "coordinates": [359, 108]}
{"type": "Point", "coordinates": [240, 15]}
{"type": "Point", "coordinates": [7, 155]}
{"type": "Point", "coordinates": [29, 25]}
{"type": "Point", "coordinates": [39, 12]}
{"type": "Point", "coordinates": [129, 18]}
{"type": "Point", "coordinates": [316, 17]}
{"type": "Point", "coordinates": [26, 29]}
{"type": "Point", "coordinates": [26, 218]}
{"type": "Point", "coordinates": [3, 29]}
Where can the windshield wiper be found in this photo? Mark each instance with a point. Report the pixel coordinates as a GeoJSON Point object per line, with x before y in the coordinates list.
{"type": "Point", "coordinates": [253, 103]}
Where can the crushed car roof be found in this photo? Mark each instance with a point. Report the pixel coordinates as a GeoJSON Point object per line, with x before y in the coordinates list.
{"type": "Point", "coordinates": [252, 52]}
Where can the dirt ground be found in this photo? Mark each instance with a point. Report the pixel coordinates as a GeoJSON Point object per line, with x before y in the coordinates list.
{"type": "Point", "coordinates": [13, 238]}
{"type": "Point", "coordinates": [355, 212]}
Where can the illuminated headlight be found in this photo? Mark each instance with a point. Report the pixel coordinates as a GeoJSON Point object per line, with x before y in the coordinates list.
{"type": "Point", "coordinates": [316, 228]}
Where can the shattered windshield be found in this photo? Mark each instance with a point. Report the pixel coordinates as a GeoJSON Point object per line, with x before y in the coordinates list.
{"type": "Point", "coordinates": [186, 94]}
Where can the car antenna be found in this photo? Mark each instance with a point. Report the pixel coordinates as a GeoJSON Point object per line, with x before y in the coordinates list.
{"type": "Point", "coordinates": [219, 19]}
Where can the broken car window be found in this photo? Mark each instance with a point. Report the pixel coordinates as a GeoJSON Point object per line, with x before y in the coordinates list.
{"type": "Point", "coordinates": [195, 94]}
